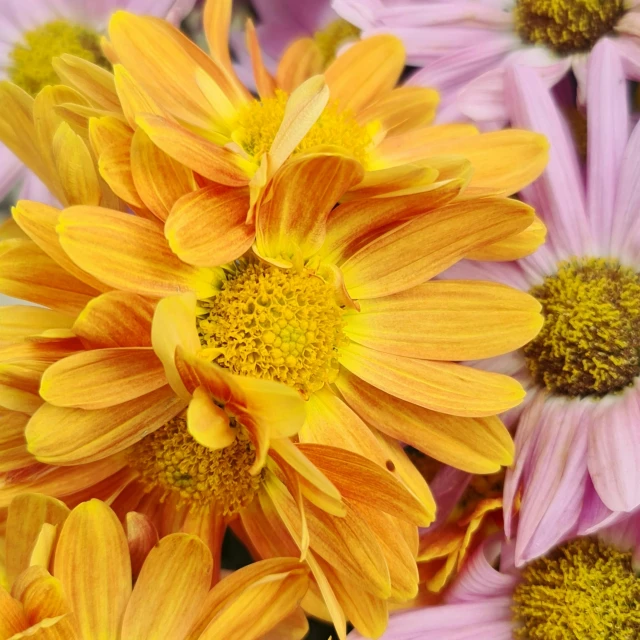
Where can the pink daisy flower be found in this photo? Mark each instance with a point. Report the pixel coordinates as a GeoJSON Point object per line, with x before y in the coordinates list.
{"type": "Point", "coordinates": [577, 465]}
{"type": "Point", "coordinates": [32, 32]}
{"type": "Point", "coordinates": [585, 588]}
{"type": "Point", "coordinates": [465, 46]}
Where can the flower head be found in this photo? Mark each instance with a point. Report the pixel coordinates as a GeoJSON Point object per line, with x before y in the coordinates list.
{"type": "Point", "coordinates": [77, 573]}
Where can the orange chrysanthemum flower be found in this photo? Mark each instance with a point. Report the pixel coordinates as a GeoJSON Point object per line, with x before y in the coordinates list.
{"type": "Point", "coordinates": [78, 575]}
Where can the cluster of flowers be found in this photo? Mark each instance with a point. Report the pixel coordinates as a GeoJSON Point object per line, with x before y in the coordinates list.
{"type": "Point", "coordinates": [382, 326]}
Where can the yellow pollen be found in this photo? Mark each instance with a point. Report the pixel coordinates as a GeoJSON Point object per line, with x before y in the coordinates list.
{"type": "Point", "coordinates": [590, 341]}
{"type": "Point", "coordinates": [169, 459]}
{"type": "Point", "coordinates": [275, 324]}
{"type": "Point", "coordinates": [566, 26]}
{"type": "Point", "coordinates": [584, 590]}
{"type": "Point", "coordinates": [30, 61]}
{"type": "Point", "coordinates": [333, 36]}
{"type": "Point", "coordinates": [260, 120]}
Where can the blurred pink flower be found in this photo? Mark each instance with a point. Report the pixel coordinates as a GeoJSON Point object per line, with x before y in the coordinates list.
{"type": "Point", "coordinates": [465, 46]}
{"type": "Point", "coordinates": [584, 584]}
{"type": "Point", "coordinates": [578, 439]}
{"type": "Point", "coordinates": [18, 18]}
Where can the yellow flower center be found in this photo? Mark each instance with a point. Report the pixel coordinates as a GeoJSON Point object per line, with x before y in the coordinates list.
{"type": "Point", "coordinates": [590, 341]}
{"type": "Point", "coordinates": [169, 459]}
{"type": "Point", "coordinates": [260, 120]}
{"type": "Point", "coordinates": [584, 590]}
{"type": "Point", "coordinates": [333, 36]}
{"type": "Point", "coordinates": [566, 26]}
{"type": "Point", "coordinates": [275, 324]}
{"type": "Point", "coordinates": [30, 61]}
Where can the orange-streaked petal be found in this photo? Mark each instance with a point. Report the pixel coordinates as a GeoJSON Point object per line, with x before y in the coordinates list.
{"type": "Point", "coordinates": [447, 320]}
{"type": "Point", "coordinates": [362, 481]}
{"type": "Point", "coordinates": [208, 227]}
{"type": "Point", "coordinates": [142, 537]}
{"type": "Point", "coordinates": [59, 435]}
{"type": "Point", "coordinates": [27, 514]}
{"type": "Point", "coordinates": [301, 196]}
{"type": "Point", "coordinates": [102, 378]}
{"type": "Point", "coordinates": [128, 253]}
{"type": "Point", "coordinates": [13, 446]}
{"type": "Point", "coordinates": [28, 273]}
{"type": "Point", "coordinates": [133, 98]}
{"type": "Point", "coordinates": [210, 160]}
{"type": "Point", "coordinates": [115, 319]}
{"type": "Point", "coordinates": [174, 325]}
{"type": "Point", "coordinates": [404, 109]}
{"type": "Point", "coordinates": [366, 71]}
{"type": "Point", "coordinates": [39, 222]}
{"type": "Point", "coordinates": [351, 225]}
{"type": "Point", "coordinates": [170, 590]}
{"type": "Point", "coordinates": [265, 82]}
{"type": "Point", "coordinates": [107, 132]}
{"type": "Point", "coordinates": [41, 595]}
{"type": "Point", "coordinates": [13, 618]}
{"type": "Point", "coordinates": [440, 386]}
{"type": "Point", "coordinates": [294, 627]}
{"type": "Point", "coordinates": [301, 60]}
{"type": "Point", "coordinates": [114, 165]}
{"type": "Point", "coordinates": [19, 387]}
{"type": "Point", "coordinates": [514, 247]}
{"type": "Point", "coordinates": [424, 247]}
{"type": "Point", "coordinates": [208, 423]}
{"type": "Point", "coordinates": [476, 445]}
{"type": "Point", "coordinates": [99, 589]}
{"type": "Point", "coordinates": [159, 179]}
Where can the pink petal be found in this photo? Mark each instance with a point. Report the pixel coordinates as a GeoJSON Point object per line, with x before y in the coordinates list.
{"type": "Point", "coordinates": [447, 488]}
{"type": "Point", "coordinates": [558, 195]}
{"type": "Point", "coordinates": [479, 578]}
{"type": "Point", "coordinates": [629, 50]}
{"type": "Point", "coordinates": [595, 514]}
{"type": "Point", "coordinates": [624, 534]}
{"type": "Point", "coordinates": [614, 451]}
{"type": "Point", "coordinates": [608, 127]}
{"type": "Point", "coordinates": [551, 469]}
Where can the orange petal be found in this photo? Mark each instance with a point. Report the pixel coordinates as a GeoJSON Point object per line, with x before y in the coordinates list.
{"type": "Point", "coordinates": [39, 222]}
{"type": "Point", "coordinates": [13, 618]}
{"type": "Point", "coordinates": [426, 246]}
{"type": "Point", "coordinates": [174, 325]}
{"type": "Point", "coordinates": [394, 181]}
{"type": "Point", "coordinates": [28, 273]}
{"type": "Point", "coordinates": [440, 386]}
{"type": "Point", "coordinates": [514, 247]}
{"type": "Point", "coordinates": [352, 224]}
{"type": "Point", "coordinates": [133, 98]}
{"type": "Point", "coordinates": [170, 590]}
{"type": "Point", "coordinates": [128, 253]}
{"type": "Point", "coordinates": [107, 132]}
{"type": "Point", "coordinates": [210, 160]}
{"type": "Point", "coordinates": [159, 179]}
{"type": "Point", "coordinates": [208, 423]}
{"type": "Point", "coordinates": [265, 82]}
{"type": "Point", "coordinates": [102, 378]}
{"type": "Point", "coordinates": [26, 516]}
{"type": "Point", "coordinates": [20, 321]}
{"type": "Point", "coordinates": [447, 320]}
{"type": "Point", "coordinates": [208, 228]}
{"type": "Point", "coordinates": [294, 627]}
{"type": "Point", "coordinates": [19, 387]}
{"type": "Point", "coordinates": [72, 436]}
{"type": "Point", "coordinates": [404, 109]}
{"type": "Point", "coordinates": [142, 537]}
{"type": "Point", "coordinates": [97, 590]}
{"type": "Point", "coordinates": [115, 168]}
{"type": "Point", "coordinates": [115, 319]}
{"type": "Point", "coordinates": [301, 196]}
{"type": "Point", "coordinates": [367, 70]}
{"type": "Point", "coordinates": [13, 446]}
{"type": "Point", "coordinates": [363, 481]}
{"type": "Point", "coordinates": [476, 445]}
{"type": "Point", "coordinates": [41, 595]}
{"type": "Point", "coordinates": [300, 61]}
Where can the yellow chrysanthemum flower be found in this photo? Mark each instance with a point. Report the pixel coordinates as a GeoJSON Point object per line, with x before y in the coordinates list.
{"type": "Point", "coordinates": [79, 575]}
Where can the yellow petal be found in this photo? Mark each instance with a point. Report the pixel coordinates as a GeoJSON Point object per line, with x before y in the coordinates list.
{"type": "Point", "coordinates": [476, 445]}
{"type": "Point", "coordinates": [19, 321]}
{"type": "Point", "coordinates": [102, 378]}
{"type": "Point", "coordinates": [440, 386]}
{"type": "Point", "coordinates": [26, 516]}
{"type": "Point", "coordinates": [70, 436]}
{"type": "Point", "coordinates": [447, 320]}
{"type": "Point", "coordinates": [128, 253]}
{"type": "Point", "coordinates": [365, 71]}
{"type": "Point", "coordinates": [133, 98]}
{"type": "Point", "coordinates": [300, 61]}
{"type": "Point", "coordinates": [208, 423]}
{"type": "Point", "coordinates": [170, 590]}
{"type": "Point", "coordinates": [426, 246]}
{"type": "Point", "coordinates": [99, 589]}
